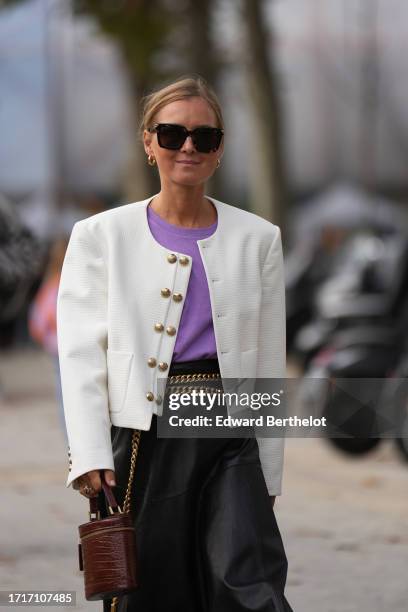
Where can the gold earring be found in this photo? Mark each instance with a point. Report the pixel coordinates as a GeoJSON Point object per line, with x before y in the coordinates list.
{"type": "Point", "coordinates": [151, 160]}
{"type": "Point", "coordinates": [218, 163]}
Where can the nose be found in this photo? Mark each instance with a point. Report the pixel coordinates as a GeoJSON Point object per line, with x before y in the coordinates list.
{"type": "Point", "coordinates": [188, 145]}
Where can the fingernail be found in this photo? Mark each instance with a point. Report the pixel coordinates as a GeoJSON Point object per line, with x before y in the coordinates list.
{"type": "Point", "coordinates": [112, 483]}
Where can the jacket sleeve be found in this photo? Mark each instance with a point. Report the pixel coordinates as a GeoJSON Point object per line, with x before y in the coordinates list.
{"type": "Point", "coordinates": [82, 344]}
{"type": "Point", "coordinates": [272, 353]}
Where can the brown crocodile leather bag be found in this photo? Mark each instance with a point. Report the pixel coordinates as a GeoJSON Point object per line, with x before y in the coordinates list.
{"type": "Point", "coordinates": [107, 548]}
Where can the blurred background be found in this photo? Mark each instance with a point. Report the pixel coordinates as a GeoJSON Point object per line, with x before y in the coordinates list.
{"type": "Point", "coordinates": [313, 94]}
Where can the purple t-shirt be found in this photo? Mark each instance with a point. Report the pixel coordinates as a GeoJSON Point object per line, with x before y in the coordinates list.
{"type": "Point", "coordinates": [195, 338]}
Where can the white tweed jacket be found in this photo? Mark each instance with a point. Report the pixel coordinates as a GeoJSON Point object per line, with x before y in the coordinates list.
{"type": "Point", "coordinates": [114, 321]}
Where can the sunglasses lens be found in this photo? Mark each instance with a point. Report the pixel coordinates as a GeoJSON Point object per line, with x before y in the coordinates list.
{"type": "Point", "coordinates": [171, 136]}
{"type": "Point", "coordinates": [207, 139]}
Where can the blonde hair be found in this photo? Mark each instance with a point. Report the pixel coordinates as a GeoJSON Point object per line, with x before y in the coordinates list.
{"type": "Point", "coordinates": [185, 87]}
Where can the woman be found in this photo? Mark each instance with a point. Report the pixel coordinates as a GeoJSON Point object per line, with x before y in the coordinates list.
{"type": "Point", "coordinates": [177, 284]}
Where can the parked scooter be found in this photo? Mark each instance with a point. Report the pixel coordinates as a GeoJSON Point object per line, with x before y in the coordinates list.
{"type": "Point", "coordinates": [367, 341]}
{"type": "Point", "coordinates": [360, 290]}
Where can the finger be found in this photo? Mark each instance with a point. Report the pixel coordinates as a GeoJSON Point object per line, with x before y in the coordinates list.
{"type": "Point", "coordinates": [94, 481]}
{"type": "Point", "coordinates": [87, 491]}
{"type": "Point", "coordinates": [109, 477]}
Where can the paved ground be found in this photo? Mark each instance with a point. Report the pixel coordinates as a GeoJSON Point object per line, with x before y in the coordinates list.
{"type": "Point", "coordinates": [344, 523]}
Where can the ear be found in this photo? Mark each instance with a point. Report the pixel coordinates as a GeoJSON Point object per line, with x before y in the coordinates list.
{"type": "Point", "coordinates": [147, 141]}
{"type": "Point", "coordinates": [220, 151]}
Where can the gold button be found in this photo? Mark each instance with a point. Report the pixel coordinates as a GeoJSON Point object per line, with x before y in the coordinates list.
{"type": "Point", "coordinates": [184, 260]}
{"type": "Point", "coordinates": [159, 399]}
{"type": "Point", "coordinates": [159, 327]}
{"type": "Point", "coordinates": [151, 362]}
{"type": "Point", "coordinates": [177, 297]}
{"type": "Point", "coordinates": [170, 330]}
{"type": "Point", "coordinates": [149, 396]}
{"type": "Point", "coordinates": [171, 258]}
{"type": "Point", "coordinates": [163, 366]}
{"type": "Point", "coordinates": [165, 292]}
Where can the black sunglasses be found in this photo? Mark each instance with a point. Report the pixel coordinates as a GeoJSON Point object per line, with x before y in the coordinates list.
{"type": "Point", "coordinates": [172, 136]}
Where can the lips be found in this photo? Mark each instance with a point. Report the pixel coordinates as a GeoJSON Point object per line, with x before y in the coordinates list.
{"type": "Point", "coordinates": [188, 162]}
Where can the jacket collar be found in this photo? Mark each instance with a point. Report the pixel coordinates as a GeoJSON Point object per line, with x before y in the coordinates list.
{"type": "Point", "coordinates": [221, 212]}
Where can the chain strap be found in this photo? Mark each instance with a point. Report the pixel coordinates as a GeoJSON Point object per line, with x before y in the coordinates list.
{"type": "Point", "coordinates": [126, 503]}
{"type": "Point", "coordinates": [133, 456]}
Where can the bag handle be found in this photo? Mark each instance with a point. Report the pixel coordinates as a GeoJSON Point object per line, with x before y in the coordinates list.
{"type": "Point", "coordinates": [94, 513]}
{"type": "Point", "coordinates": [113, 504]}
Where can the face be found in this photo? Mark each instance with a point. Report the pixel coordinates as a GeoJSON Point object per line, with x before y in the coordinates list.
{"type": "Point", "coordinates": [185, 166]}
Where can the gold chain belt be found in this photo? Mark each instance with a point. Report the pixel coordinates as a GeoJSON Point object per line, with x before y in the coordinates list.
{"type": "Point", "coordinates": [175, 382]}
{"type": "Point", "coordinates": [182, 378]}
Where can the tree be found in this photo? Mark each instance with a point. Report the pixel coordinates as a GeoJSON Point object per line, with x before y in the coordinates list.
{"type": "Point", "coordinates": [140, 28]}
{"type": "Point", "coordinates": [266, 183]}
{"type": "Point", "coordinates": [158, 40]}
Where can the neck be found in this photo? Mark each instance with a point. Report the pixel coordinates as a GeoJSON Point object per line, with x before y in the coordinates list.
{"type": "Point", "coordinates": [184, 206]}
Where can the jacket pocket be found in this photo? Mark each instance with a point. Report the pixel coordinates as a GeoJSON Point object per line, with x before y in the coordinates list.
{"type": "Point", "coordinates": [119, 366]}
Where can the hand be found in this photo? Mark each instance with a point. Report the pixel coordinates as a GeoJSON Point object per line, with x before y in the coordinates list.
{"type": "Point", "coordinates": [272, 498]}
{"type": "Point", "coordinates": [89, 484]}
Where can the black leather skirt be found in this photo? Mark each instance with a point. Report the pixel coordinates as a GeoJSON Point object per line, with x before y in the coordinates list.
{"type": "Point", "coordinates": [207, 536]}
